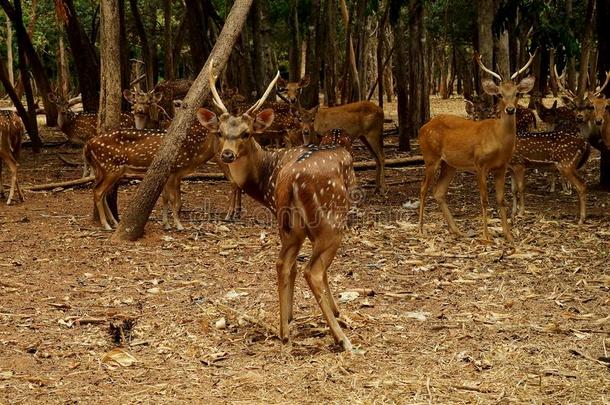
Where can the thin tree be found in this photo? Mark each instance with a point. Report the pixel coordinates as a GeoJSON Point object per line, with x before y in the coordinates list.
{"type": "Point", "coordinates": [138, 212]}
{"type": "Point", "coordinates": [109, 112]}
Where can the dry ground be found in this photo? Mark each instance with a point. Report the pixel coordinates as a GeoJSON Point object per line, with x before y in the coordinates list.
{"type": "Point", "coordinates": [448, 320]}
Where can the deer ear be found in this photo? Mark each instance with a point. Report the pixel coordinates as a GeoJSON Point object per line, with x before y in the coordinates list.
{"type": "Point", "coordinates": [129, 95]}
{"type": "Point", "coordinates": [526, 84]}
{"type": "Point", "coordinates": [304, 82]}
{"type": "Point", "coordinates": [491, 88]}
{"type": "Point", "coordinates": [208, 119]}
{"type": "Point", "coordinates": [157, 96]}
{"type": "Point", "coordinates": [469, 106]}
{"type": "Point", "coordinates": [263, 120]}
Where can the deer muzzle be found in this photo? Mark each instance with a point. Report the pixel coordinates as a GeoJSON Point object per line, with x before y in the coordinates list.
{"type": "Point", "coordinates": [227, 156]}
{"type": "Point", "coordinates": [599, 122]}
{"type": "Point", "coordinates": [510, 110]}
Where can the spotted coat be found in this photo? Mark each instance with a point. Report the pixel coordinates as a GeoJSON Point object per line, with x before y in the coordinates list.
{"type": "Point", "coordinates": [11, 132]}
{"type": "Point", "coordinates": [116, 153]}
{"type": "Point", "coordinates": [338, 137]}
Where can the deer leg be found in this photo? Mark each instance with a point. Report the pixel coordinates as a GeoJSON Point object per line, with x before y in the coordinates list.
{"type": "Point", "coordinates": [482, 180]}
{"type": "Point", "coordinates": [440, 195]}
{"type": "Point", "coordinates": [176, 201]}
{"type": "Point", "coordinates": [374, 143]}
{"type": "Point", "coordinates": [518, 188]}
{"type": "Point", "coordinates": [11, 163]}
{"type": "Point", "coordinates": [314, 273]}
{"type": "Point", "coordinates": [429, 171]}
{"type": "Point", "coordinates": [164, 212]}
{"type": "Point", "coordinates": [286, 274]}
{"type": "Point", "coordinates": [553, 181]}
{"type": "Point", "coordinates": [99, 199]}
{"type": "Point", "coordinates": [500, 179]}
{"type": "Point", "coordinates": [572, 177]}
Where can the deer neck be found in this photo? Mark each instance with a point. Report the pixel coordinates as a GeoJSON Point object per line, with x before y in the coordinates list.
{"type": "Point", "coordinates": [506, 126]}
{"type": "Point", "coordinates": [253, 172]}
{"type": "Point", "coordinates": [65, 120]}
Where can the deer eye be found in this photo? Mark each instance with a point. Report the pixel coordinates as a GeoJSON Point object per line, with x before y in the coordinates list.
{"type": "Point", "coordinates": [244, 135]}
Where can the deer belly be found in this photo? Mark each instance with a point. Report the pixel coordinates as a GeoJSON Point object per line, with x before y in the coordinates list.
{"type": "Point", "coordinates": [461, 160]}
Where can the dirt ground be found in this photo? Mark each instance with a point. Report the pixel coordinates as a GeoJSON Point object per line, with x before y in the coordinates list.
{"type": "Point", "coordinates": [193, 313]}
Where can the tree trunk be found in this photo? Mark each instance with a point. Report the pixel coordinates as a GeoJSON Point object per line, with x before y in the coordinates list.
{"type": "Point", "coordinates": [9, 52]}
{"type": "Point", "coordinates": [258, 56]}
{"type": "Point", "coordinates": [85, 58]}
{"type": "Point", "coordinates": [310, 96]}
{"type": "Point", "coordinates": [109, 115]}
{"type": "Point", "coordinates": [419, 93]}
{"type": "Point", "coordinates": [485, 9]}
{"type": "Point", "coordinates": [136, 216]}
{"type": "Point", "coordinates": [168, 62]}
{"type": "Point", "coordinates": [295, 41]}
{"type": "Point", "coordinates": [330, 54]}
{"type": "Point", "coordinates": [10, 90]}
{"type": "Point", "coordinates": [384, 7]}
{"type": "Point", "coordinates": [144, 45]}
{"type": "Point", "coordinates": [571, 67]}
{"type": "Point", "coordinates": [63, 75]}
{"type": "Point", "coordinates": [586, 48]}
{"type": "Point", "coordinates": [197, 28]}
{"type": "Point", "coordinates": [401, 64]}
{"type": "Point", "coordinates": [125, 64]}
{"type": "Point", "coordinates": [603, 35]}
{"type": "Point", "coordinates": [38, 70]}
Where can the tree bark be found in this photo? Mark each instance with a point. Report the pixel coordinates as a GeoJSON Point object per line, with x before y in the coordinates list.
{"type": "Point", "coordinates": [137, 214]}
{"type": "Point", "coordinates": [42, 81]}
{"type": "Point", "coordinates": [125, 63]}
{"type": "Point", "coordinates": [485, 9]}
{"type": "Point", "coordinates": [144, 44]}
{"type": "Point", "coordinates": [295, 41]}
{"type": "Point", "coordinates": [586, 48]}
{"type": "Point", "coordinates": [419, 100]}
{"type": "Point", "coordinates": [384, 7]}
{"type": "Point", "coordinates": [401, 63]}
{"type": "Point", "coordinates": [168, 62]}
{"type": "Point", "coordinates": [109, 115]}
{"type": "Point", "coordinates": [9, 51]}
{"type": "Point", "coordinates": [85, 58]}
{"type": "Point", "coordinates": [571, 66]}
{"type": "Point", "coordinates": [603, 35]}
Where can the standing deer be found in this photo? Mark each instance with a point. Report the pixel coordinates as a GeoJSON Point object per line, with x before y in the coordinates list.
{"type": "Point", "coordinates": [455, 143]}
{"type": "Point", "coordinates": [601, 112]}
{"type": "Point", "coordinates": [306, 188]}
{"type": "Point", "coordinates": [147, 112]}
{"type": "Point", "coordinates": [119, 152]}
{"type": "Point", "coordinates": [11, 131]}
{"type": "Point", "coordinates": [79, 128]}
{"type": "Point", "coordinates": [363, 120]}
{"type": "Point", "coordinates": [291, 91]}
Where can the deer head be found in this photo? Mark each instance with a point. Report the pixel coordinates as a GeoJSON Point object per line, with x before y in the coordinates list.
{"type": "Point", "coordinates": [306, 119]}
{"type": "Point", "coordinates": [64, 114]}
{"type": "Point", "coordinates": [508, 91]}
{"type": "Point", "coordinates": [235, 132]}
{"type": "Point", "coordinates": [291, 91]}
{"type": "Point", "coordinates": [144, 105]}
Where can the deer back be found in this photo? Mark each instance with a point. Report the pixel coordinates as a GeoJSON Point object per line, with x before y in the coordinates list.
{"type": "Point", "coordinates": [562, 147]}
{"type": "Point", "coordinates": [355, 118]}
{"type": "Point", "coordinates": [337, 137]}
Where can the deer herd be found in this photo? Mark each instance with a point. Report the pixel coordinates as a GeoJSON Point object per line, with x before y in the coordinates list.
{"type": "Point", "coordinates": [307, 184]}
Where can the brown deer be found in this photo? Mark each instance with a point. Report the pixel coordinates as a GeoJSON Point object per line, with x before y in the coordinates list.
{"type": "Point", "coordinates": [119, 152]}
{"type": "Point", "coordinates": [363, 120]}
{"type": "Point", "coordinates": [601, 112]}
{"type": "Point", "coordinates": [11, 131]}
{"type": "Point", "coordinates": [455, 143]}
{"type": "Point", "coordinates": [565, 148]}
{"type": "Point", "coordinates": [147, 112]}
{"type": "Point", "coordinates": [337, 137]}
{"type": "Point", "coordinates": [291, 91]}
{"type": "Point", "coordinates": [306, 188]}
{"type": "Point", "coordinates": [79, 128]}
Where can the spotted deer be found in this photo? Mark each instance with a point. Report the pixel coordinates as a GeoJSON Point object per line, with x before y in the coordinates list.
{"type": "Point", "coordinates": [337, 137]}
{"type": "Point", "coordinates": [116, 153]}
{"type": "Point", "coordinates": [147, 112]}
{"type": "Point", "coordinates": [170, 90]}
{"type": "Point", "coordinates": [601, 112]}
{"type": "Point", "coordinates": [478, 109]}
{"type": "Point", "coordinates": [79, 128]}
{"type": "Point", "coordinates": [306, 188]}
{"type": "Point", "coordinates": [11, 131]}
{"type": "Point", "coordinates": [361, 120]}
{"type": "Point", "coordinates": [290, 92]}
{"type": "Point", "coordinates": [455, 143]}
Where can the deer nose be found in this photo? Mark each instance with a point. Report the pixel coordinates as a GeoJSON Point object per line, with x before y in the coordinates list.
{"type": "Point", "coordinates": [227, 156]}
{"type": "Point", "coordinates": [599, 121]}
{"type": "Point", "coordinates": [510, 110]}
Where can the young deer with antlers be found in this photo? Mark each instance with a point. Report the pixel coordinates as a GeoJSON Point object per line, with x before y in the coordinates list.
{"type": "Point", "coordinates": [306, 188]}
{"type": "Point", "coordinates": [455, 143]}
{"type": "Point", "coordinates": [11, 131]}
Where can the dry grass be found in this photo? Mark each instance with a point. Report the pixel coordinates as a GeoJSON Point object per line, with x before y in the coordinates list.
{"type": "Point", "coordinates": [450, 320]}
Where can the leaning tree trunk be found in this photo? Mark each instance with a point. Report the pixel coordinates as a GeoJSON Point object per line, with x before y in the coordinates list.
{"type": "Point", "coordinates": [134, 220]}
{"type": "Point", "coordinates": [603, 35]}
{"type": "Point", "coordinates": [38, 70]}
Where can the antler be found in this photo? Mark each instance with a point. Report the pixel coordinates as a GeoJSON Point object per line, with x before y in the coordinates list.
{"type": "Point", "coordinates": [599, 91]}
{"type": "Point", "coordinates": [215, 97]}
{"type": "Point", "coordinates": [560, 85]}
{"type": "Point", "coordinates": [477, 57]}
{"type": "Point", "coordinates": [260, 102]}
{"type": "Point", "coordinates": [524, 68]}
